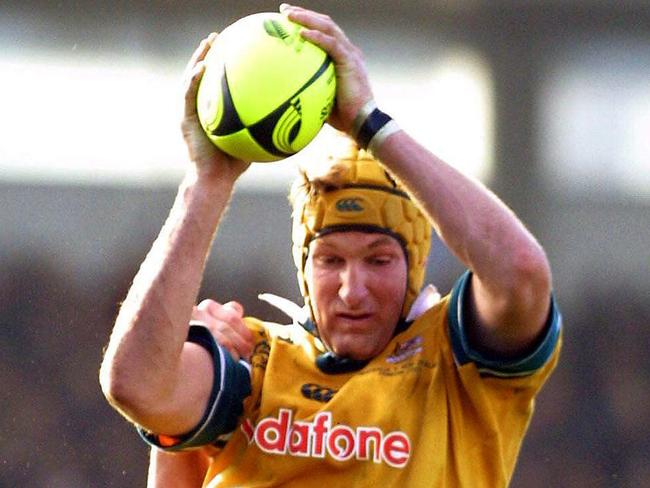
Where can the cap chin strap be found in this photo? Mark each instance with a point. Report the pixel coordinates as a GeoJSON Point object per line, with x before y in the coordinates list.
{"type": "Point", "coordinates": [298, 314]}
{"type": "Point", "coordinates": [427, 298]}
{"type": "Point", "coordinates": [329, 362]}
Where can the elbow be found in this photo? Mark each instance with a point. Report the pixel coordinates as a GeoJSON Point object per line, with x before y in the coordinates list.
{"type": "Point", "coordinates": [121, 391]}
{"type": "Point", "coordinates": [136, 391]}
{"type": "Point", "coordinates": [126, 374]}
{"type": "Point", "coordinates": [115, 387]}
{"type": "Point", "coordinates": [531, 271]}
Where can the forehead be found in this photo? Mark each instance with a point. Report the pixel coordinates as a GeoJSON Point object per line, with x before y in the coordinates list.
{"type": "Point", "coordinates": [355, 241]}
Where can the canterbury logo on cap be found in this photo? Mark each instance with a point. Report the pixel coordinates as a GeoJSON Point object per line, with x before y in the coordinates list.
{"type": "Point", "coordinates": [349, 205]}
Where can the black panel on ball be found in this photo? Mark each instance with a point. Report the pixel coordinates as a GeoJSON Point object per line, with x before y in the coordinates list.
{"type": "Point", "coordinates": [230, 121]}
{"type": "Point", "coordinates": [262, 131]}
{"type": "Point", "coordinates": [289, 114]}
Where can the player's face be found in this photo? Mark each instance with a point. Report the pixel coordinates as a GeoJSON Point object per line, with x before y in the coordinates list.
{"type": "Point", "coordinates": [357, 284]}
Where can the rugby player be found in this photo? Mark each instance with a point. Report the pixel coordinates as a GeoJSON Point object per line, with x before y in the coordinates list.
{"type": "Point", "coordinates": [377, 380]}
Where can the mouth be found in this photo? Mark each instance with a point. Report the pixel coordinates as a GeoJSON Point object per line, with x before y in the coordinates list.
{"type": "Point", "coordinates": [353, 317]}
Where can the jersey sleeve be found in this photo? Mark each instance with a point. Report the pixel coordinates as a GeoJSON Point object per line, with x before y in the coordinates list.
{"type": "Point", "coordinates": [232, 384]}
{"type": "Point", "coordinates": [493, 365]}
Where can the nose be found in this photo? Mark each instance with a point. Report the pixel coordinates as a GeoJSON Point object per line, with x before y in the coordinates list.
{"type": "Point", "coordinates": [353, 288]}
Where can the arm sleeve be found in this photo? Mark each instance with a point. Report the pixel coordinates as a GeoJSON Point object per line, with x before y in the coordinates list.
{"type": "Point", "coordinates": [232, 384]}
{"type": "Point", "coordinates": [493, 365]}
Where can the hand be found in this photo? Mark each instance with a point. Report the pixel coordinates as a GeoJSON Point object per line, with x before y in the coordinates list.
{"type": "Point", "coordinates": [206, 156]}
{"type": "Point", "coordinates": [353, 86]}
{"type": "Point", "coordinates": [227, 326]}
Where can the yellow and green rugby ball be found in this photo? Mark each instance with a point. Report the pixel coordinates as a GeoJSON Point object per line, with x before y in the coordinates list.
{"type": "Point", "coordinates": [266, 91]}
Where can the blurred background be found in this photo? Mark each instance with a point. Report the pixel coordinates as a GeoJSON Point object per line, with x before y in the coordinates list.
{"type": "Point", "coordinates": [547, 102]}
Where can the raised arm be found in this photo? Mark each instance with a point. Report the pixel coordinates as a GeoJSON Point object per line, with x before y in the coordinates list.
{"type": "Point", "coordinates": [149, 372]}
{"type": "Point", "coordinates": [511, 281]}
{"type": "Point", "coordinates": [511, 284]}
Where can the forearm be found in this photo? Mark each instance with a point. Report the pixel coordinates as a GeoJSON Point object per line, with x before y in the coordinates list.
{"type": "Point", "coordinates": [141, 364]}
{"type": "Point", "coordinates": [512, 276]}
{"type": "Point", "coordinates": [181, 470]}
{"type": "Point", "coordinates": [476, 226]}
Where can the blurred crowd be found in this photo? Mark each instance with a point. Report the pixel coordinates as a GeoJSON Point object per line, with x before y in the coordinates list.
{"type": "Point", "coordinates": [591, 428]}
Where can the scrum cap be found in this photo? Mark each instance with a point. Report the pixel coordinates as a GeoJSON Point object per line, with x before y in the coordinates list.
{"type": "Point", "coordinates": [354, 192]}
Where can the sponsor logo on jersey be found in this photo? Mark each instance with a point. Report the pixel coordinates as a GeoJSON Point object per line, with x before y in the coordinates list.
{"type": "Point", "coordinates": [405, 350]}
{"type": "Point", "coordinates": [317, 392]}
{"type": "Point", "coordinates": [282, 435]}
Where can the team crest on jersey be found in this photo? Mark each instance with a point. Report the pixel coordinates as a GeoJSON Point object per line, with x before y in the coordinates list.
{"type": "Point", "coordinates": [405, 350]}
{"type": "Point", "coordinates": [282, 435]}
{"type": "Point", "coordinates": [260, 356]}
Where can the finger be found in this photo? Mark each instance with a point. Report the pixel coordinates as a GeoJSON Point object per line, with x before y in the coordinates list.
{"type": "Point", "coordinates": [206, 304]}
{"type": "Point", "coordinates": [236, 307]}
{"type": "Point", "coordinates": [194, 71]}
{"type": "Point", "coordinates": [243, 344]}
{"type": "Point", "coordinates": [233, 313]}
{"type": "Point", "coordinates": [201, 51]}
{"type": "Point", "coordinates": [315, 21]}
{"type": "Point", "coordinates": [192, 88]}
{"type": "Point", "coordinates": [200, 316]}
{"type": "Point", "coordinates": [230, 339]}
{"type": "Point", "coordinates": [221, 332]}
{"type": "Point", "coordinates": [330, 44]}
{"type": "Point", "coordinates": [226, 324]}
{"type": "Point", "coordinates": [230, 312]}
{"type": "Point", "coordinates": [287, 8]}
{"type": "Point", "coordinates": [322, 31]}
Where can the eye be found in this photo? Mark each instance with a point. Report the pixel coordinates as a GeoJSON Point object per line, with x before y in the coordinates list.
{"type": "Point", "coordinates": [327, 260]}
{"type": "Point", "coordinates": [381, 259]}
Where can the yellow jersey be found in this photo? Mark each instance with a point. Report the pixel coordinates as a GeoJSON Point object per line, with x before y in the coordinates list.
{"type": "Point", "coordinates": [427, 412]}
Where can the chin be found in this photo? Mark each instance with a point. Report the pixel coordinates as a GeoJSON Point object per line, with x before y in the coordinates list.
{"type": "Point", "coordinates": [354, 353]}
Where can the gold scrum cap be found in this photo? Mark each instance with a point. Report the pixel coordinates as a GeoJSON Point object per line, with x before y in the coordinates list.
{"type": "Point", "coordinates": [352, 191]}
